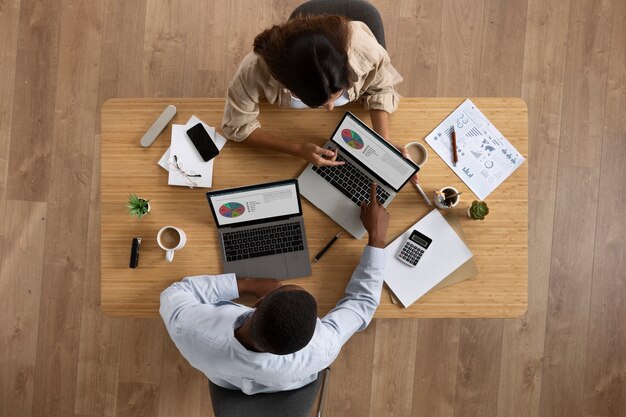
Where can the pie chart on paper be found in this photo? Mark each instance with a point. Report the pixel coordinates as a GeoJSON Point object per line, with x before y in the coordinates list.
{"type": "Point", "coordinates": [352, 139]}
{"type": "Point", "coordinates": [231, 210]}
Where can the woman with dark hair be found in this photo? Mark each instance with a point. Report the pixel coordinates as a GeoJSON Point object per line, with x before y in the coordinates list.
{"type": "Point", "coordinates": [310, 61]}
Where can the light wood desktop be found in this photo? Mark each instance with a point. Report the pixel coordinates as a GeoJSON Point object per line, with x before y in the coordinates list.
{"type": "Point", "coordinates": [499, 243]}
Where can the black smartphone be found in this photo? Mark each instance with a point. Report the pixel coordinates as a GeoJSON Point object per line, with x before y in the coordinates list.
{"type": "Point", "coordinates": [203, 142]}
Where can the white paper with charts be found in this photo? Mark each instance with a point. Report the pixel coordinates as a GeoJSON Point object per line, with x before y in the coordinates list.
{"type": "Point", "coordinates": [485, 157]}
{"type": "Point", "coordinates": [444, 255]}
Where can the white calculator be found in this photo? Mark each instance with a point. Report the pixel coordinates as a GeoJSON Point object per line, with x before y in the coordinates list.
{"type": "Point", "coordinates": [414, 247]}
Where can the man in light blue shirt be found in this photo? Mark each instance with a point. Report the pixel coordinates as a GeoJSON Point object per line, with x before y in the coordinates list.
{"type": "Point", "coordinates": [280, 344]}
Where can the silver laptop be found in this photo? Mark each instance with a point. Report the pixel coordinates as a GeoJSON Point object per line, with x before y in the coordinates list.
{"type": "Point", "coordinates": [261, 230]}
{"type": "Point", "coordinates": [339, 190]}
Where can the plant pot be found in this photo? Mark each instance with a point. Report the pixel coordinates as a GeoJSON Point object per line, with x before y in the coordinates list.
{"type": "Point", "coordinates": [486, 212]}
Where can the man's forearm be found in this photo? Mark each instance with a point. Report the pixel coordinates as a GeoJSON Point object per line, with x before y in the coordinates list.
{"type": "Point", "coordinates": [201, 289]}
{"type": "Point", "coordinates": [376, 242]}
{"type": "Point", "coordinates": [258, 287]}
{"type": "Point", "coordinates": [366, 280]}
{"type": "Point", "coordinates": [354, 312]}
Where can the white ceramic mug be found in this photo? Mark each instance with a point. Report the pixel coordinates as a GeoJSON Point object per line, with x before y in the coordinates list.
{"type": "Point", "coordinates": [417, 152]}
{"type": "Point", "coordinates": [447, 191]}
{"type": "Point", "coordinates": [171, 239]}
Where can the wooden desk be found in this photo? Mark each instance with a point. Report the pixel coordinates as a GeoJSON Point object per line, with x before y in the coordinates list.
{"type": "Point", "coordinates": [499, 243]}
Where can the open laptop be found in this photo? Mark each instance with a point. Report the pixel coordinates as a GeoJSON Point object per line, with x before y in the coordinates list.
{"type": "Point", "coordinates": [339, 190]}
{"type": "Point", "coordinates": [261, 230]}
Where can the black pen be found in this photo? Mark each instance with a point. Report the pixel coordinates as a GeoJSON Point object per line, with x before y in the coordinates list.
{"type": "Point", "coordinates": [323, 251]}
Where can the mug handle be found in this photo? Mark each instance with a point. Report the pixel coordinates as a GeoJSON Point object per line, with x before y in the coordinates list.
{"type": "Point", "coordinates": [169, 255]}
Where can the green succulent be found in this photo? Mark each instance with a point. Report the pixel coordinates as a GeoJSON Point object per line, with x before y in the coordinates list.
{"type": "Point", "coordinates": [478, 210]}
{"type": "Point", "coordinates": [137, 206]}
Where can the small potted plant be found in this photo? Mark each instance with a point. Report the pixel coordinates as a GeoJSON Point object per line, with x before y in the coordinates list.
{"type": "Point", "coordinates": [138, 206]}
{"type": "Point", "coordinates": [478, 210]}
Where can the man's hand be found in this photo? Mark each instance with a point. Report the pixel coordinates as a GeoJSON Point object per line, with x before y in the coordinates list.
{"type": "Point", "coordinates": [375, 219]}
{"type": "Point", "coordinates": [318, 156]}
{"type": "Point", "coordinates": [257, 287]}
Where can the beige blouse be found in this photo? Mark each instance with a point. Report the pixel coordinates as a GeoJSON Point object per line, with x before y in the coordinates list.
{"type": "Point", "coordinates": [372, 81]}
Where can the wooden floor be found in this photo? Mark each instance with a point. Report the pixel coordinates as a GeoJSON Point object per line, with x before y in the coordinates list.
{"type": "Point", "coordinates": [59, 60]}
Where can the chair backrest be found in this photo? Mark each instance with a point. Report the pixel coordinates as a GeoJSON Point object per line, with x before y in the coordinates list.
{"type": "Point", "coordinates": [295, 403]}
{"type": "Point", "coordinates": [359, 10]}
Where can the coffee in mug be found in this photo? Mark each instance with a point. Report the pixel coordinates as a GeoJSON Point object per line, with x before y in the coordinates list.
{"type": "Point", "coordinates": [171, 239]}
{"type": "Point", "coordinates": [417, 152]}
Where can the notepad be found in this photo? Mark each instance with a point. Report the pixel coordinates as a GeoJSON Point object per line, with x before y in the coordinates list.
{"type": "Point", "coordinates": [446, 253]}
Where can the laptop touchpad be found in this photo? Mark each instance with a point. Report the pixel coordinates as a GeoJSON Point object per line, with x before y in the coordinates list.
{"type": "Point", "coordinates": [269, 267]}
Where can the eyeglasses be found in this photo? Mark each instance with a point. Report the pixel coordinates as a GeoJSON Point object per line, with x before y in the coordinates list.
{"type": "Point", "coordinates": [187, 175]}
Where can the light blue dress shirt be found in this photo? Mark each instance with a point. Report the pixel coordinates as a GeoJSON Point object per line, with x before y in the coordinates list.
{"type": "Point", "coordinates": [201, 320]}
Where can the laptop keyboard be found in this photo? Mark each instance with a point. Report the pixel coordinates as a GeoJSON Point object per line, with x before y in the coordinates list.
{"type": "Point", "coordinates": [350, 181]}
{"type": "Point", "coordinates": [263, 241]}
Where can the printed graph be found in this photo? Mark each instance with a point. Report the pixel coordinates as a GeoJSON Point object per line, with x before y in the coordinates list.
{"type": "Point", "coordinates": [474, 132]}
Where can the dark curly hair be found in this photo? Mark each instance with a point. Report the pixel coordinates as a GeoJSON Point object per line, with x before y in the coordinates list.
{"type": "Point", "coordinates": [308, 55]}
{"type": "Point", "coordinates": [284, 321]}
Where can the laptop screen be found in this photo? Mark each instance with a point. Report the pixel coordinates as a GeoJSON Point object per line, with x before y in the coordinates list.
{"type": "Point", "coordinates": [254, 203]}
{"type": "Point", "coordinates": [360, 142]}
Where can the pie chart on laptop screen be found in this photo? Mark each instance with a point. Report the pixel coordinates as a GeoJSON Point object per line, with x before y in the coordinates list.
{"type": "Point", "coordinates": [232, 210]}
{"type": "Point", "coordinates": [352, 138]}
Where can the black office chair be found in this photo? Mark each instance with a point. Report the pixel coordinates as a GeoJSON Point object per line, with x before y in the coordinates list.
{"type": "Point", "coordinates": [359, 10]}
{"type": "Point", "coordinates": [296, 403]}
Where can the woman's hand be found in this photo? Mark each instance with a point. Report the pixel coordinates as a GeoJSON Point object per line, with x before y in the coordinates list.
{"type": "Point", "coordinates": [318, 156]}
{"type": "Point", "coordinates": [414, 179]}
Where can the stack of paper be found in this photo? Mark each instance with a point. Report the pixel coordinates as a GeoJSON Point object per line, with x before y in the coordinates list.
{"type": "Point", "coordinates": [442, 257]}
{"type": "Point", "coordinates": [188, 164]}
{"type": "Point", "coordinates": [486, 158]}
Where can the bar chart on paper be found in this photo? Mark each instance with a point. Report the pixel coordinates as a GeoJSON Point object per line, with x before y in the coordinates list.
{"type": "Point", "coordinates": [486, 157]}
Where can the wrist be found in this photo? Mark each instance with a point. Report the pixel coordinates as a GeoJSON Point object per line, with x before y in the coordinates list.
{"type": "Point", "coordinates": [244, 286]}
{"type": "Point", "coordinates": [376, 242]}
{"type": "Point", "coordinates": [296, 149]}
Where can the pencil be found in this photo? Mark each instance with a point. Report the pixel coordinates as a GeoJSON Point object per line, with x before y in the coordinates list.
{"type": "Point", "coordinates": [328, 245]}
{"type": "Point", "coordinates": [424, 196]}
{"type": "Point", "coordinates": [450, 197]}
{"type": "Point", "coordinates": [455, 157]}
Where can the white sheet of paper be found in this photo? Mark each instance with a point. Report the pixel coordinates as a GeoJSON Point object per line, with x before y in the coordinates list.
{"type": "Point", "coordinates": [486, 158]}
{"type": "Point", "coordinates": [442, 257]}
{"type": "Point", "coordinates": [189, 156]}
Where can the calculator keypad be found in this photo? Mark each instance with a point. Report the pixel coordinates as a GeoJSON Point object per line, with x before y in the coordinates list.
{"type": "Point", "coordinates": [411, 253]}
